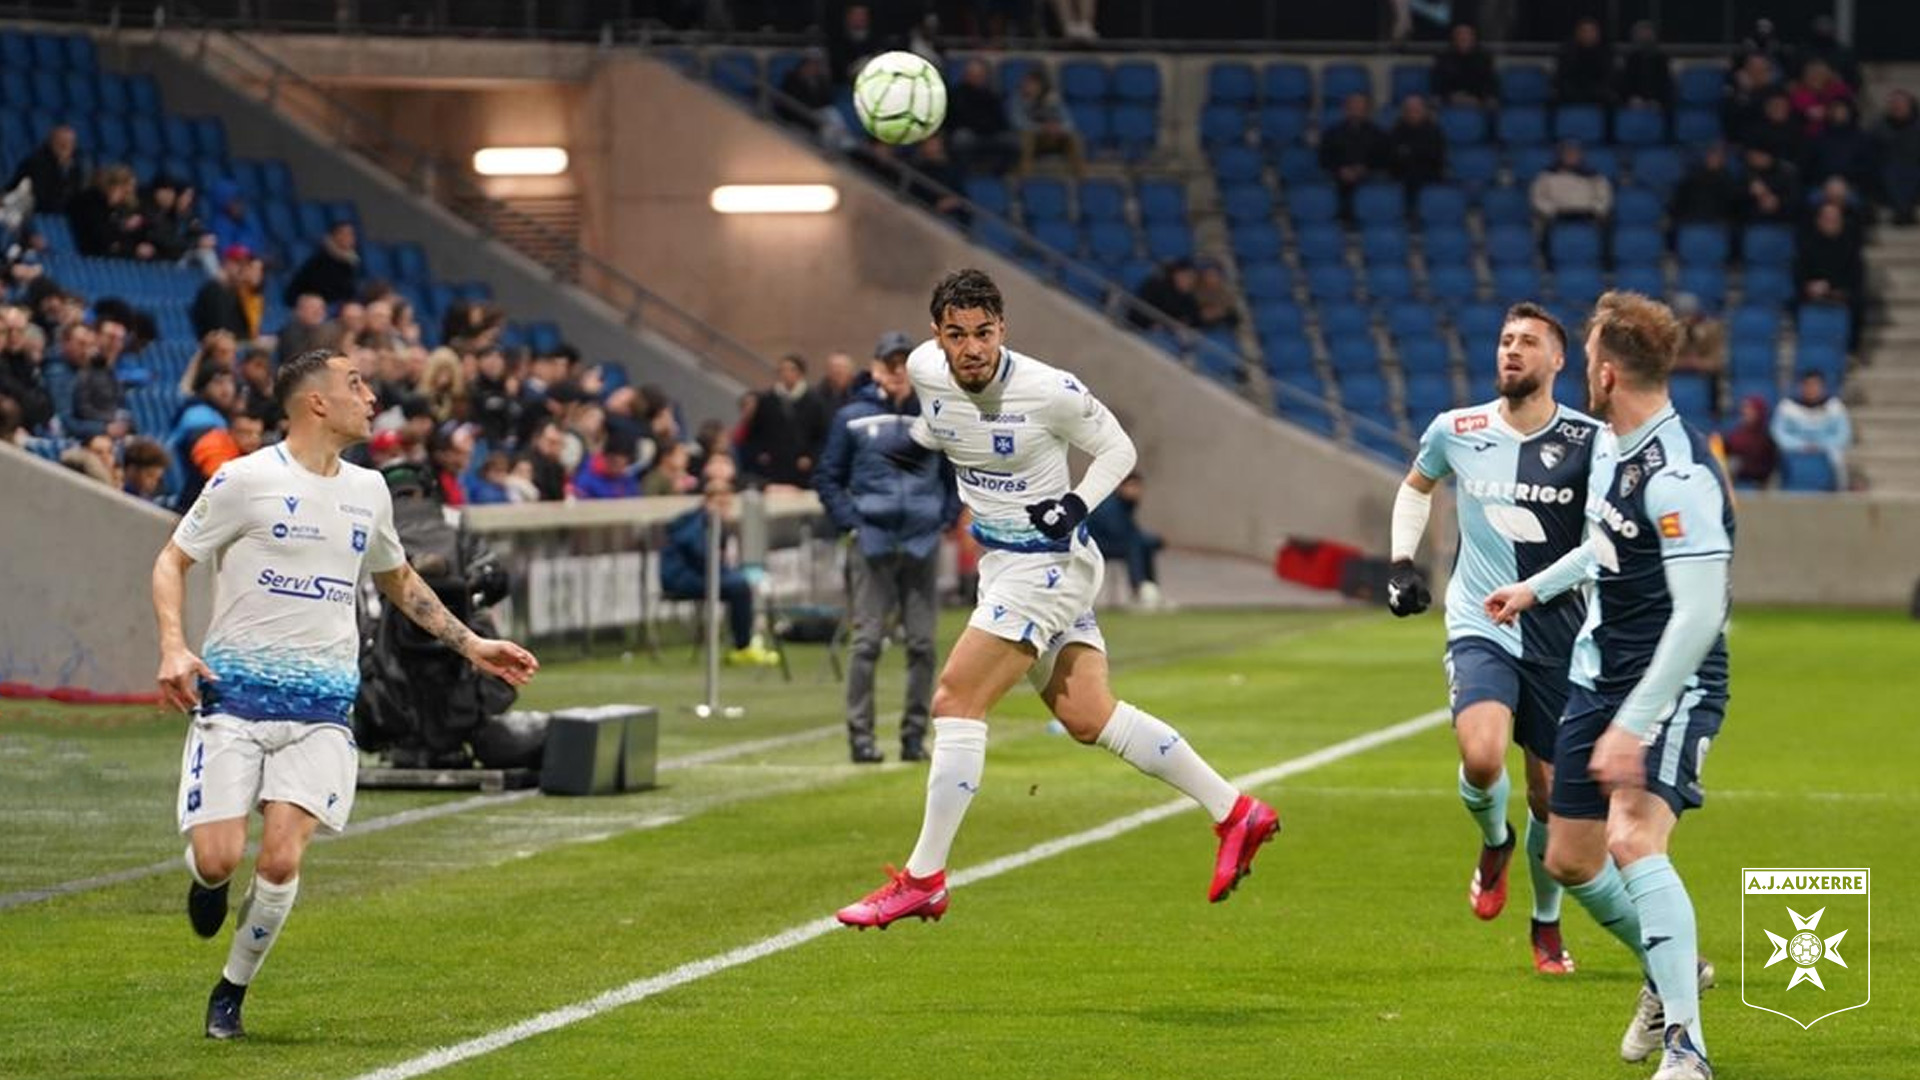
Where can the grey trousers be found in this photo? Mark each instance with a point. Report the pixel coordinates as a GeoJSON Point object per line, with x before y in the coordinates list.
{"type": "Point", "coordinates": [883, 585]}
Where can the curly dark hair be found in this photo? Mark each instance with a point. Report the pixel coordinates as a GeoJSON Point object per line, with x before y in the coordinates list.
{"type": "Point", "coordinates": [964, 289]}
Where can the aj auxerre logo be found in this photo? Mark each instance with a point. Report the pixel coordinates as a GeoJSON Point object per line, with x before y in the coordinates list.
{"type": "Point", "coordinates": [1508, 489]}
{"type": "Point", "coordinates": [987, 480]}
{"type": "Point", "coordinates": [306, 588]}
{"type": "Point", "coordinates": [1800, 972]}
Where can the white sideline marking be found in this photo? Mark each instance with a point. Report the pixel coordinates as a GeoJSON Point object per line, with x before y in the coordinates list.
{"type": "Point", "coordinates": [641, 989]}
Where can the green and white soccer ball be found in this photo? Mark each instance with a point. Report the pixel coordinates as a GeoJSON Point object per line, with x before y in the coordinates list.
{"type": "Point", "coordinates": [900, 98]}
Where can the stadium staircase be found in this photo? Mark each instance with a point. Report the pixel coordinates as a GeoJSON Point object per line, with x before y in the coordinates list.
{"type": "Point", "coordinates": [1886, 402]}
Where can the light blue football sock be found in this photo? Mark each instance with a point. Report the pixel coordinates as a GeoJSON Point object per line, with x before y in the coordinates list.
{"type": "Point", "coordinates": [1488, 806]}
{"type": "Point", "coordinates": [1546, 891]}
{"type": "Point", "coordinates": [1672, 939]}
{"type": "Point", "coordinates": [1606, 899]}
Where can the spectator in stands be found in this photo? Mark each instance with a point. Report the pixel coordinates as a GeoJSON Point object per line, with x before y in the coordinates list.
{"type": "Point", "coordinates": [807, 99]}
{"type": "Point", "coordinates": [1841, 149]}
{"type": "Point", "coordinates": [11, 432]}
{"type": "Point", "coordinates": [1777, 130]}
{"type": "Point", "coordinates": [787, 430]}
{"type": "Point", "coordinates": [1753, 81]}
{"type": "Point", "coordinates": [22, 351]}
{"type": "Point", "coordinates": [99, 402]}
{"type": "Point", "coordinates": [1353, 151]}
{"type": "Point", "coordinates": [1815, 422]}
{"type": "Point", "coordinates": [977, 122]}
{"type": "Point", "coordinates": [449, 452]}
{"type": "Point", "coordinates": [93, 459]}
{"type": "Point", "coordinates": [1646, 73]}
{"type": "Point", "coordinates": [1463, 72]}
{"type": "Point", "coordinates": [233, 223]}
{"type": "Point", "coordinates": [1709, 192]}
{"type": "Point", "coordinates": [1828, 267]}
{"type": "Point", "coordinates": [1752, 456]}
{"type": "Point", "coordinates": [1824, 44]}
{"type": "Point", "coordinates": [445, 386]}
{"type": "Point", "coordinates": [1416, 147]}
{"type": "Point", "coordinates": [106, 217]}
{"type": "Point", "coordinates": [332, 272]}
{"type": "Point", "coordinates": [1703, 338]}
{"type": "Point", "coordinates": [249, 423]}
{"type": "Point", "coordinates": [306, 328]}
{"type": "Point", "coordinates": [174, 227]}
{"type": "Point", "coordinates": [1583, 73]}
{"type": "Point", "coordinates": [838, 382]}
{"type": "Point", "coordinates": [1815, 89]}
{"type": "Point", "coordinates": [143, 469]}
{"type": "Point", "coordinates": [1044, 125]}
{"type": "Point", "coordinates": [1116, 528]}
{"type": "Point", "coordinates": [1772, 187]}
{"type": "Point", "coordinates": [1170, 292]}
{"type": "Point", "coordinates": [683, 573]}
{"type": "Point", "coordinates": [1216, 304]}
{"type": "Point", "coordinates": [202, 438]}
{"type": "Point", "coordinates": [850, 43]}
{"type": "Point", "coordinates": [544, 468]}
{"type": "Point", "coordinates": [931, 162]}
{"type": "Point", "coordinates": [1570, 189]}
{"type": "Point", "coordinates": [610, 474]}
{"type": "Point", "coordinates": [493, 398]}
{"type": "Point", "coordinates": [219, 305]}
{"type": "Point", "coordinates": [56, 169]}
{"type": "Point", "coordinates": [1076, 19]}
{"type": "Point", "coordinates": [671, 473]}
{"type": "Point", "coordinates": [1897, 142]}
{"type": "Point", "coordinates": [217, 350]}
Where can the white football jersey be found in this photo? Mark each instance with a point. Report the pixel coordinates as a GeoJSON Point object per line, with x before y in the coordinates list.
{"type": "Point", "coordinates": [1008, 443]}
{"type": "Point", "coordinates": [288, 547]}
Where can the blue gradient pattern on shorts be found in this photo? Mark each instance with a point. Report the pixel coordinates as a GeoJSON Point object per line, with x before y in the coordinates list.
{"type": "Point", "coordinates": [1010, 536]}
{"type": "Point", "coordinates": [273, 685]}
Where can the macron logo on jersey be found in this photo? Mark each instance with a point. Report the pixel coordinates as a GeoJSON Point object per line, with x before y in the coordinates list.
{"type": "Point", "coordinates": [306, 588]}
{"type": "Point", "coordinates": [1473, 422]}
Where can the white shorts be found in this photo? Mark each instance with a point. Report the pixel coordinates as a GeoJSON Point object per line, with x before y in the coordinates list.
{"type": "Point", "coordinates": [232, 765]}
{"type": "Point", "coordinates": [1042, 598]}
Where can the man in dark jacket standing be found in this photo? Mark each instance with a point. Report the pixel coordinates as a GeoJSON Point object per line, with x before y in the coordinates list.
{"type": "Point", "coordinates": [895, 516]}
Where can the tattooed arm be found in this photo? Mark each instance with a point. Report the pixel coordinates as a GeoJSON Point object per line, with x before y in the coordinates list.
{"type": "Point", "coordinates": [405, 590]}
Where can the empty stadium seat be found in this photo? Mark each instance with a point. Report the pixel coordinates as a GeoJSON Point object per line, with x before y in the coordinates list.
{"type": "Point", "coordinates": [1223, 125]}
{"type": "Point", "coordinates": [1505, 206]}
{"type": "Point", "coordinates": [1342, 319]}
{"type": "Point", "coordinates": [1767, 245]}
{"type": "Point", "coordinates": [1339, 80]}
{"type": "Point", "coordinates": [1581, 123]}
{"type": "Point", "coordinates": [1524, 84]}
{"type": "Point", "coordinates": [1281, 125]}
{"type": "Point", "coordinates": [1709, 283]}
{"type": "Point", "coordinates": [1312, 203]}
{"type": "Point", "coordinates": [1083, 80]}
{"type": "Point", "coordinates": [1321, 243]}
{"type": "Point", "coordinates": [1162, 200]}
{"type": "Point", "coordinates": [1696, 127]}
{"type": "Point", "coordinates": [1169, 240]}
{"type": "Point", "coordinates": [1824, 324]}
{"type": "Point", "coordinates": [1700, 85]}
{"type": "Point", "coordinates": [1659, 167]}
{"type": "Point", "coordinates": [1136, 82]}
{"type": "Point", "coordinates": [1452, 283]}
{"type": "Point", "coordinates": [1247, 202]}
{"type": "Point", "coordinates": [1231, 83]}
{"type": "Point", "coordinates": [1768, 285]}
{"type": "Point", "coordinates": [1384, 244]}
{"type": "Point", "coordinates": [1701, 244]}
{"type": "Point", "coordinates": [1102, 200]}
{"type": "Point", "coordinates": [1647, 278]}
{"type": "Point", "coordinates": [1269, 282]}
{"type": "Point", "coordinates": [1273, 312]}
{"type": "Point", "coordinates": [1390, 281]}
{"type": "Point", "coordinates": [1509, 245]}
{"type": "Point", "coordinates": [1574, 243]}
{"type": "Point", "coordinates": [1287, 83]}
{"type": "Point", "coordinates": [1255, 242]}
{"type": "Point", "coordinates": [1807, 471]}
{"type": "Point", "coordinates": [1640, 127]}
{"type": "Point", "coordinates": [1520, 125]}
{"type": "Point", "coordinates": [1638, 244]}
{"type": "Point", "coordinates": [1236, 164]}
{"type": "Point", "coordinates": [1423, 354]}
{"type": "Point", "coordinates": [1634, 204]}
{"type": "Point", "coordinates": [1754, 323]}
{"type": "Point", "coordinates": [1043, 199]}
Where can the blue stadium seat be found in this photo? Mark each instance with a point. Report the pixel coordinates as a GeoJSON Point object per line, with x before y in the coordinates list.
{"type": "Point", "coordinates": [1384, 244]}
{"type": "Point", "coordinates": [1700, 85]}
{"type": "Point", "coordinates": [16, 50]}
{"type": "Point", "coordinates": [1517, 282]}
{"type": "Point", "coordinates": [1084, 282]}
{"type": "Point", "coordinates": [410, 263]}
{"type": "Point", "coordinates": [110, 90]}
{"type": "Point", "coordinates": [1236, 164]}
{"type": "Point", "coordinates": [1084, 80]}
{"type": "Point", "coordinates": [1273, 312]}
{"type": "Point", "coordinates": [1473, 166]}
{"type": "Point", "coordinates": [780, 65]}
{"type": "Point", "coordinates": [210, 136]}
{"type": "Point", "coordinates": [1452, 283]}
{"type": "Point", "coordinates": [1649, 279]}
{"type": "Point", "coordinates": [1445, 244]}
{"type": "Point", "coordinates": [1287, 83]}
{"type": "Point", "coordinates": [1754, 323]}
{"type": "Point", "coordinates": [1223, 125]}
{"type": "Point", "coordinates": [1354, 353]}
{"type": "Point", "coordinates": [1255, 242]}
{"type": "Point", "coordinates": [1411, 320]}
{"type": "Point", "coordinates": [15, 93]}
{"type": "Point", "coordinates": [1102, 200]}
{"type": "Point", "coordinates": [1288, 353]}
{"type": "Point", "coordinates": [1807, 471]}
{"type": "Point", "coordinates": [1521, 125]}
{"type": "Point", "coordinates": [49, 51]}
{"type": "Point", "coordinates": [1824, 324]}
{"type": "Point", "coordinates": [48, 89]}
{"type": "Point", "coordinates": [1331, 281]}
{"type": "Point", "coordinates": [1640, 127]}
{"type": "Point", "coordinates": [1407, 80]}
{"type": "Point", "coordinates": [178, 133]}
{"type": "Point", "coordinates": [1753, 358]}
{"type": "Point", "coordinates": [1043, 199]}
{"type": "Point", "coordinates": [1638, 245]}
{"type": "Point", "coordinates": [1524, 84]}
{"type": "Point", "coordinates": [1231, 83]}
{"type": "Point", "coordinates": [1343, 319]}
{"type": "Point", "coordinates": [1320, 243]}
{"type": "Point", "coordinates": [143, 95]}
{"type": "Point", "coordinates": [1585, 124]}
{"type": "Point", "coordinates": [1136, 129]}
{"type": "Point", "coordinates": [1709, 283]}
{"type": "Point", "coordinates": [1380, 203]}
{"type": "Point", "coordinates": [1770, 285]}
{"type": "Point", "coordinates": [1574, 243]}
{"type": "Point", "coordinates": [1766, 389]}
{"type": "Point", "coordinates": [993, 234]}
{"type": "Point", "coordinates": [1109, 242]}
{"type": "Point", "coordinates": [1162, 200]}
{"type": "Point", "coordinates": [111, 142]}
{"type": "Point", "coordinates": [1441, 204]}
{"type": "Point", "coordinates": [1479, 325]}
{"type": "Point", "coordinates": [144, 131]}
{"type": "Point", "coordinates": [1634, 204]}
{"type": "Point", "coordinates": [1312, 203]}
{"type": "Point", "coordinates": [1298, 165]}
{"type": "Point", "coordinates": [1012, 70]}
{"type": "Point", "coordinates": [1428, 395]}
{"type": "Point", "coordinates": [376, 261]}
{"type": "Point", "coordinates": [1169, 240]}
{"type": "Point", "coordinates": [1464, 125]}
{"type": "Point", "coordinates": [1390, 281]}
{"type": "Point", "coordinates": [1509, 245]}
{"type": "Point", "coordinates": [1578, 286]}
{"type": "Point", "coordinates": [1281, 125]}
{"type": "Point", "coordinates": [1829, 360]}
{"type": "Point", "coordinates": [1767, 245]}
{"type": "Point", "coordinates": [1339, 80]}
{"type": "Point", "coordinates": [1701, 244]}
{"type": "Point", "coordinates": [1136, 82]}
{"type": "Point", "coordinates": [989, 193]}
{"type": "Point", "coordinates": [80, 91]}
{"type": "Point", "coordinates": [1247, 202]}
{"type": "Point", "coordinates": [1094, 121]}
{"type": "Point", "coordinates": [1422, 354]}
{"type": "Point", "coordinates": [1527, 162]}
{"type": "Point", "coordinates": [737, 72]}
{"type": "Point", "coordinates": [1506, 205]}
{"type": "Point", "coordinates": [1696, 127]}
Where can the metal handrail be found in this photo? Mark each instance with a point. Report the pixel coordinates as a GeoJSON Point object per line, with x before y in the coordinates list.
{"type": "Point", "coordinates": [427, 174]}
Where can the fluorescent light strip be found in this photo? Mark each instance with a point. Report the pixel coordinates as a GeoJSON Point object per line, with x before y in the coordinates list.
{"type": "Point", "coordinates": [774, 198]}
{"type": "Point", "coordinates": [520, 161]}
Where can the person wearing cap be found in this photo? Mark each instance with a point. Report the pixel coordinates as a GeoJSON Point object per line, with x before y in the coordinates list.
{"type": "Point", "coordinates": [894, 518]}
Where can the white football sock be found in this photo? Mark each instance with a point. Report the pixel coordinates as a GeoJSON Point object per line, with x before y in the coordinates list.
{"type": "Point", "coordinates": [193, 867]}
{"type": "Point", "coordinates": [953, 779]}
{"type": "Point", "coordinates": [1147, 743]}
{"type": "Point", "coordinates": [261, 916]}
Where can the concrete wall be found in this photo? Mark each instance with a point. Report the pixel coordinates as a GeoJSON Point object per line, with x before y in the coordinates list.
{"type": "Point", "coordinates": [1857, 550]}
{"type": "Point", "coordinates": [455, 249]}
{"type": "Point", "coordinates": [457, 120]}
{"type": "Point", "coordinates": [78, 557]}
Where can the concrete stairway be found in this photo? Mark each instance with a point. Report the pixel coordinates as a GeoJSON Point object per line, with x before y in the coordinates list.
{"type": "Point", "coordinates": [1885, 395]}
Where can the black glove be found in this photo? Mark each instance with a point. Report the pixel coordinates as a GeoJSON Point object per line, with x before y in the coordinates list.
{"type": "Point", "coordinates": [1407, 592]}
{"type": "Point", "coordinates": [1057, 518]}
{"type": "Point", "coordinates": [908, 456]}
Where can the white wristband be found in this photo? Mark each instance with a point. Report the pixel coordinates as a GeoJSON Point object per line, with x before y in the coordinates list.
{"type": "Point", "coordinates": [1410, 510]}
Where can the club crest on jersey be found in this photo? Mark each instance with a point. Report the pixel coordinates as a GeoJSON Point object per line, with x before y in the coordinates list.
{"type": "Point", "coordinates": [1464, 424]}
{"type": "Point", "coordinates": [360, 538]}
{"type": "Point", "coordinates": [1629, 479]}
{"type": "Point", "coordinates": [1003, 443]}
{"type": "Point", "coordinates": [1552, 454]}
{"type": "Point", "coordinates": [293, 503]}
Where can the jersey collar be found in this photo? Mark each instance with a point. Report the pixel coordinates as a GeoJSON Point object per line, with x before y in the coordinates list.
{"type": "Point", "coordinates": [1632, 441]}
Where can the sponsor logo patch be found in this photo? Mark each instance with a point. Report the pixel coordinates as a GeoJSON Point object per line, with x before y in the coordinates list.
{"type": "Point", "coordinates": [1670, 526]}
{"type": "Point", "coordinates": [1464, 424]}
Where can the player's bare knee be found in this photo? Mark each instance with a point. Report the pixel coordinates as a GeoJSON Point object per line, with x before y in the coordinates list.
{"type": "Point", "coordinates": [1571, 864]}
{"type": "Point", "coordinates": [1630, 840]}
{"type": "Point", "coordinates": [278, 865]}
{"type": "Point", "coordinates": [215, 864]}
{"type": "Point", "coordinates": [950, 699]}
{"type": "Point", "coordinates": [1079, 718]}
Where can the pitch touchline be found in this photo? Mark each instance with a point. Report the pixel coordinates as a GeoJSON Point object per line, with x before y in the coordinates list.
{"type": "Point", "coordinates": [641, 989]}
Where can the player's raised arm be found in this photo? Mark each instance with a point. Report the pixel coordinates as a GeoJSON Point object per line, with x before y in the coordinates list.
{"type": "Point", "coordinates": [403, 588]}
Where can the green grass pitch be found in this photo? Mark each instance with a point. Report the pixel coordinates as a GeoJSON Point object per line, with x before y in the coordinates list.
{"type": "Point", "coordinates": [1350, 953]}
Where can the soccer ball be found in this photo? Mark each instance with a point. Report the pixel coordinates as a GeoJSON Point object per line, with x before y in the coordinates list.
{"type": "Point", "coordinates": [900, 98]}
{"type": "Point", "coordinates": [1806, 949]}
